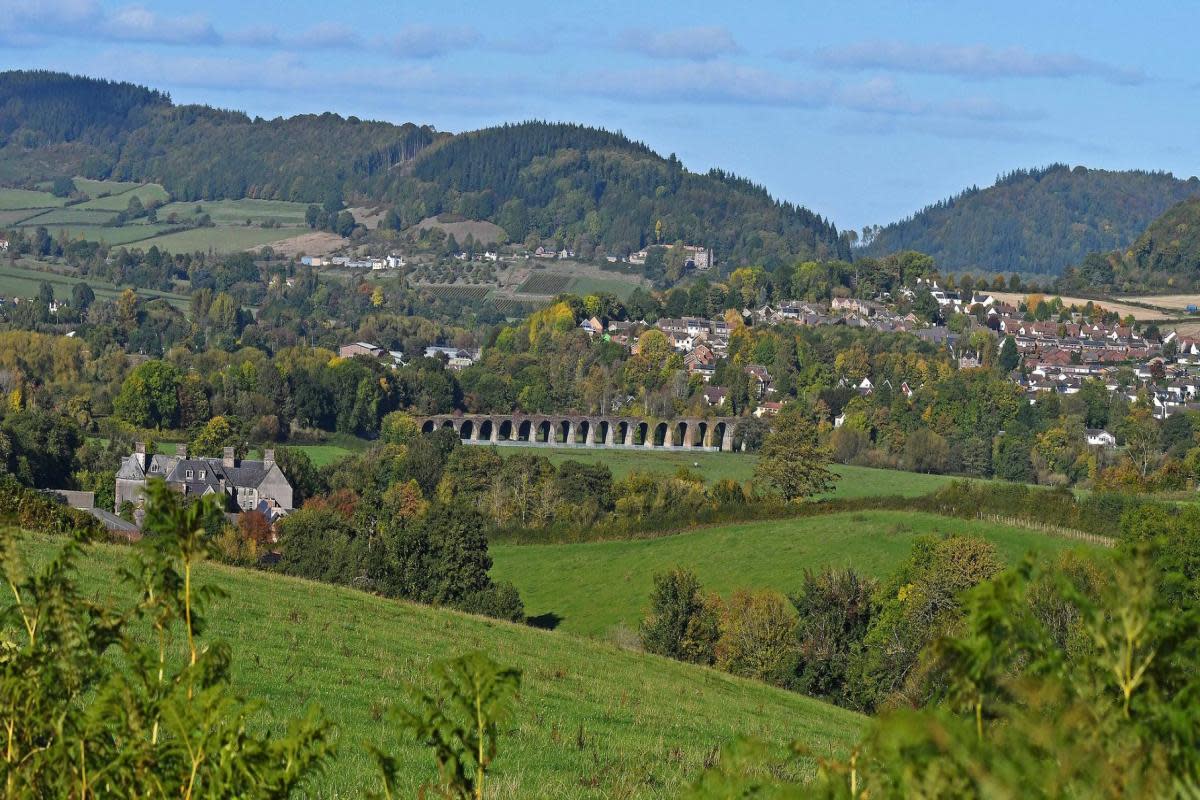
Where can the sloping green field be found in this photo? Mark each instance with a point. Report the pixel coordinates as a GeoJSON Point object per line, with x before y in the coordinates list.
{"type": "Point", "coordinates": [593, 587]}
{"type": "Point", "coordinates": [594, 721]}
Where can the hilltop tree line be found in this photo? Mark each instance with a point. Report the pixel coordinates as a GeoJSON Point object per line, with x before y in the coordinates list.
{"type": "Point", "coordinates": [1038, 221]}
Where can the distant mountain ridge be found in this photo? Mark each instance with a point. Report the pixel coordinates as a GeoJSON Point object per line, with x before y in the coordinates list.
{"type": "Point", "coordinates": [1036, 221]}
{"type": "Point", "coordinates": [590, 189]}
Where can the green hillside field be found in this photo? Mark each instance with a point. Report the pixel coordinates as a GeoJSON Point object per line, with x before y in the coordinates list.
{"type": "Point", "coordinates": [852, 481]}
{"type": "Point", "coordinates": [24, 282]}
{"type": "Point", "coordinates": [600, 588]}
{"type": "Point", "coordinates": [594, 721]}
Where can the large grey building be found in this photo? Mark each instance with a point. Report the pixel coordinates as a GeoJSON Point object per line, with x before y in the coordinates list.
{"type": "Point", "coordinates": [243, 484]}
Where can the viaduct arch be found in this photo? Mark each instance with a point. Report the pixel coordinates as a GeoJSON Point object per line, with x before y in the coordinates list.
{"type": "Point", "coordinates": [588, 430]}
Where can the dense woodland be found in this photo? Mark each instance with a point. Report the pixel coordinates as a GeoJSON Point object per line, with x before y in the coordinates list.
{"type": "Point", "coordinates": [1037, 221]}
{"type": "Point", "coordinates": [584, 187]}
{"type": "Point", "coordinates": [1166, 257]}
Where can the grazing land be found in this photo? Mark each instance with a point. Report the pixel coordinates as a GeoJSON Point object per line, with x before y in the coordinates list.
{"type": "Point", "coordinates": [593, 721]}
{"type": "Point", "coordinates": [593, 588]}
{"type": "Point", "coordinates": [236, 212]}
{"type": "Point", "coordinates": [119, 200]}
{"type": "Point", "coordinates": [24, 282]}
{"type": "Point", "coordinates": [222, 239]}
{"type": "Point", "coordinates": [852, 481]}
{"type": "Point", "coordinates": [11, 199]}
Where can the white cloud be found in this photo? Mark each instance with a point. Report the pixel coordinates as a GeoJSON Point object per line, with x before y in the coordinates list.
{"type": "Point", "coordinates": [140, 24]}
{"type": "Point", "coordinates": [723, 83]}
{"type": "Point", "coordinates": [965, 61]}
{"type": "Point", "coordinates": [428, 41]}
{"type": "Point", "coordinates": [701, 43]}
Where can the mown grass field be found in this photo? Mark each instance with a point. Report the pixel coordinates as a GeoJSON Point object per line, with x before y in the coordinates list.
{"type": "Point", "coordinates": [24, 198]}
{"type": "Point", "coordinates": [592, 588]}
{"type": "Point", "coordinates": [593, 721]}
{"type": "Point", "coordinates": [119, 196]}
{"type": "Point", "coordinates": [236, 212]}
{"type": "Point", "coordinates": [221, 239]}
{"type": "Point", "coordinates": [22, 282]}
{"type": "Point", "coordinates": [585, 285]}
{"type": "Point", "coordinates": [713, 466]}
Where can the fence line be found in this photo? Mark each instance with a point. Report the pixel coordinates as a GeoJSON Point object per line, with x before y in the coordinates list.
{"type": "Point", "coordinates": [1053, 530]}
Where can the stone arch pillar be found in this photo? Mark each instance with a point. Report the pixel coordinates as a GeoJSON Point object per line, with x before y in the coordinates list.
{"type": "Point", "coordinates": [727, 439]}
{"type": "Point", "coordinates": [495, 438]}
{"type": "Point", "coordinates": [629, 429]}
{"type": "Point", "coordinates": [610, 433]}
{"type": "Point", "coordinates": [669, 435]}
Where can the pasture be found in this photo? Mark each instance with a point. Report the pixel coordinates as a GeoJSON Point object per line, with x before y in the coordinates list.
{"type": "Point", "coordinates": [24, 282]}
{"type": "Point", "coordinates": [851, 482]}
{"type": "Point", "coordinates": [11, 199]}
{"type": "Point", "coordinates": [221, 239]}
{"type": "Point", "coordinates": [593, 720]}
{"type": "Point", "coordinates": [596, 588]}
{"type": "Point", "coordinates": [236, 212]}
{"type": "Point", "coordinates": [118, 200]}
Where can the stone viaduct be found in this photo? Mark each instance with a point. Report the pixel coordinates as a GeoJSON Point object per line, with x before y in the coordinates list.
{"type": "Point", "coordinates": [700, 433]}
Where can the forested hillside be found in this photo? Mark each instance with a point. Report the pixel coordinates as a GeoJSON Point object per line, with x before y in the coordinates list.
{"type": "Point", "coordinates": [1036, 221]}
{"type": "Point", "coordinates": [1165, 256]}
{"type": "Point", "coordinates": [588, 189]}
{"type": "Point", "coordinates": [593, 188]}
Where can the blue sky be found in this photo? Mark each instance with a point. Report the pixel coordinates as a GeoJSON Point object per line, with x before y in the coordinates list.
{"type": "Point", "coordinates": [861, 111]}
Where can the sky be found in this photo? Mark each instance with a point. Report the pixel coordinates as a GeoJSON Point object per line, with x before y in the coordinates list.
{"type": "Point", "coordinates": [862, 111]}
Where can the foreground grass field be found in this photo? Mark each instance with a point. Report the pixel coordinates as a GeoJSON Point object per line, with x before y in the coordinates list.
{"type": "Point", "coordinates": [593, 720]}
{"type": "Point", "coordinates": [592, 588]}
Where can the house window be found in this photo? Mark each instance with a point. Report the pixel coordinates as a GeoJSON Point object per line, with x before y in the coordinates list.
{"type": "Point", "coordinates": [189, 474]}
{"type": "Point", "coordinates": [154, 467]}
{"type": "Point", "coordinates": [201, 474]}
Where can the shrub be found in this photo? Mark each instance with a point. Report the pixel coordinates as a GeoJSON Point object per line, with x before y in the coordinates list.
{"type": "Point", "coordinates": [681, 624]}
{"type": "Point", "coordinates": [758, 636]}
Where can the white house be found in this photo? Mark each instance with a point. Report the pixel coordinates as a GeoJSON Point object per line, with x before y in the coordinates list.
{"type": "Point", "coordinates": [1098, 437]}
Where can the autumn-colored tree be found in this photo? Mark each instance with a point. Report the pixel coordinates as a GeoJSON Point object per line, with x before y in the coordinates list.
{"type": "Point", "coordinates": [791, 461]}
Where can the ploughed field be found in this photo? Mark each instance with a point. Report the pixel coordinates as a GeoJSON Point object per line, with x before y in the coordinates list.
{"type": "Point", "coordinates": [602, 588]}
{"type": "Point", "coordinates": [593, 721]}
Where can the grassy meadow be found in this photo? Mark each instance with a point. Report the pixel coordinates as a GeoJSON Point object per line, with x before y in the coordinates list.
{"type": "Point", "coordinates": [851, 482]}
{"type": "Point", "coordinates": [591, 588]}
{"type": "Point", "coordinates": [24, 282]}
{"type": "Point", "coordinates": [28, 208]}
{"type": "Point", "coordinates": [593, 721]}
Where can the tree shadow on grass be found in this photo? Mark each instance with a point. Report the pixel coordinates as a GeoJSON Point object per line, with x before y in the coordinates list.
{"type": "Point", "coordinates": [547, 622]}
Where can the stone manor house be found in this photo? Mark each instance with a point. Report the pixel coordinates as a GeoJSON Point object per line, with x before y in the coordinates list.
{"type": "Point", "coordinates": [244, 484]}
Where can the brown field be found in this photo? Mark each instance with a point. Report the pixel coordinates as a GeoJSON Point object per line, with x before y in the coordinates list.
{"type": "Point", "coordinates": [316, 243]}
{"type": "Point", "coordinates": [482, 230]}
{"type": "Point", "coordinates": [368, 217]}
{"type": "Point", "coordinates": [1170, 302]}
{"type": "Point", "coordinates": [1123, 309]}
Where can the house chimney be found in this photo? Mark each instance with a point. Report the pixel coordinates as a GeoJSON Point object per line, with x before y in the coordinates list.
{"type": "Point", "coordinates": [268, 456]}
{"type": "Point", "coordinates": [227, 458]}
{"type": "Point", "coordinates": [181, 450]}
{"type": "Point", "coordinates": [139, 454]}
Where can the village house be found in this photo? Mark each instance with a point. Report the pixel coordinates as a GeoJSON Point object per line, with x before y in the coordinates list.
{"type": "Point", "coordinates": [456, 357]}
{"type": "Point", "coordinates": [361, 349]}
{"type": "Point", "coordinates": [592, 326]}
{"type": "Point", "coordinates": [240, 484]}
